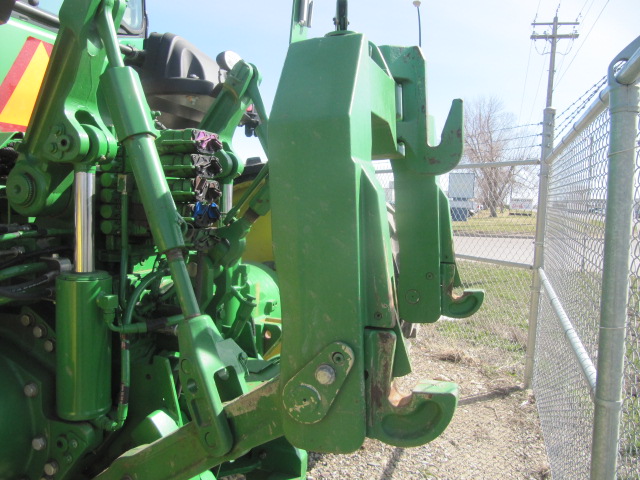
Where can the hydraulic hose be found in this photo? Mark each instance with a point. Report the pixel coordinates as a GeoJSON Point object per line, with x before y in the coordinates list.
{"type": "Point", "coordinates": [22, 270]}
{"type": "Point", "coordinates": [17, 292]}
{"type": "Point", "coordinates": [124, 242]}
{"type": "Point", "coordinates": [37, 253]}
{"type": "Point", "coordinates": [125, 329]}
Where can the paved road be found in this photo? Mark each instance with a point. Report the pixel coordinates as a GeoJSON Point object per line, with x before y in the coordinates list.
{"type": "Point", "coordinates": [518, 250]}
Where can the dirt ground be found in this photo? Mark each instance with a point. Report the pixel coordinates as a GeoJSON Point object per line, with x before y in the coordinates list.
{"type": "Point", "coordinates": [494, 434]}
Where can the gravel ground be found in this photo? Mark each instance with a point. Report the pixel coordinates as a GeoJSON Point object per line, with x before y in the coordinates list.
{"type": "Point", "coordinates": [495, 432]}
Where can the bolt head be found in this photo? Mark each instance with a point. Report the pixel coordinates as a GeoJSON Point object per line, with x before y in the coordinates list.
{"type": "Point", "coordinates": [49, 346]}
{"type": "Point", "coordinates": [31, 390]}
{"type": "Point", "coordinates": [39, 331]}
{"type": "Point", "coordinates": [39, 443]}
{"type": "Point", "coordinates": [51, 467]}
{"type": "Point", "coordinates": [26, 319]}
{"type": "Point", "coordinates": [325, 374]}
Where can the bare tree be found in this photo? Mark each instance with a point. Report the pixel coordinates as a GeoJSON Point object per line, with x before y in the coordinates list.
{"type": "Point", "coordinates": [491, 135]}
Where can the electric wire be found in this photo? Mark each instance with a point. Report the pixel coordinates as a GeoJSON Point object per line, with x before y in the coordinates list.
{"type": "Point", "coordinates": [537, 10]}
{"type": "Point", "coordinates": [526, 77]}
{"type": "Point", "coordinates": [588, 9]}
{"type": "Point", "coordinates": [536, 95]}
{"type": "Point", "coordinates": [582, 44]}
{"type": "Point", "coordinates": [519, 126]}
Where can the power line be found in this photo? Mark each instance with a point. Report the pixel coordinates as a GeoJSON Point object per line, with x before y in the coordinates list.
{"type": "Point", "coordinates": [518, 126]}
{"type": "Point", "coordinates": [526, 76]}
{"type": "Point", "coordinates": [535, 98]}
{"type": "Point", "coordinates": [554, 37]}
{"type": "Point", "coordinates": [584, 40]}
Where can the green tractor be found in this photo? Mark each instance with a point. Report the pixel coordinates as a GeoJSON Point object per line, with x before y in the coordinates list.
{"type": "Point", "coordinates": [168, 312]}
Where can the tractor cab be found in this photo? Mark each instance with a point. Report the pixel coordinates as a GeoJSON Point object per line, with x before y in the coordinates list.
{"type": "Point", "coordinates": [179, 80]}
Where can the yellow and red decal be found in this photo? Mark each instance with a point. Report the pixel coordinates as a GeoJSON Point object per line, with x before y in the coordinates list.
{"type": "Point", "coordinates": [19, 90]}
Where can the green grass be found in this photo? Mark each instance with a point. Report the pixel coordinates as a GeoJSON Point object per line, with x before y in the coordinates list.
{"type": "Point", "coordinates": [502, 320]}
{"type": "Point", "coordinates": [483, 224]}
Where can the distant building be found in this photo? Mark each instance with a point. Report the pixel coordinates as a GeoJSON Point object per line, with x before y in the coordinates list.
{"type": "Point", "coordinates": [461, 195]}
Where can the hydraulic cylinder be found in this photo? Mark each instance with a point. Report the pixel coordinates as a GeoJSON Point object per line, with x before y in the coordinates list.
{"type": "Point", "coordinates": [83, 383]}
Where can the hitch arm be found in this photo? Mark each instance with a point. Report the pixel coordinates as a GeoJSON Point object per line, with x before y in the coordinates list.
{"type": "Point", "coordinates": [422, 210]}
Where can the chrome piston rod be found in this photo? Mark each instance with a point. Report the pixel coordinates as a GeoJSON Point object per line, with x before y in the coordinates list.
{"type": "Point", "coordinates": [85, 189]}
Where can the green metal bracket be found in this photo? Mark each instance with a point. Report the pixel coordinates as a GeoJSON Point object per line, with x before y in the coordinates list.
{"type": "Point", "coordinates": [253, 418]}
{"type": "Point", "coordinates": [239, 90]}
{"type": "Point", "coordinates": [403, 421]}
{"type": "Point", "coordinates": [200, 365]}
{"type": "Point", "coordinates": [65, 127]}
{"type": "Point", "coordinates": [330, 226]}
{"type": "Point", "coordinates": [8, 138]}
{"type": "Point", "coordinates": [422, 211]}
{"type": "Point", "coordinates": [224, 114]}
{"type": "Point", "coordinates": [470, 301]}
{"type": "Point", "coordinates": [309, 394]}
{"type": "Point", "coordinates": [462, 306]}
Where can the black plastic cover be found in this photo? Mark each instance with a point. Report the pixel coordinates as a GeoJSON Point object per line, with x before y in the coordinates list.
{"type": "Point", "coordinates": [178, 79]}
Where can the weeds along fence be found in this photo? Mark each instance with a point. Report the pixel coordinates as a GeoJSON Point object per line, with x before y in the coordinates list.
{"type": "Point", "coordinates": [558, 255]}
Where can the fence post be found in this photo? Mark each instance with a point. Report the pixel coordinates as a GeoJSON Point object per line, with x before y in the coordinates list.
{"type": "Point", "coordinates": [624, 102]}
{"type": "Point", "coordinates": [548, 125]}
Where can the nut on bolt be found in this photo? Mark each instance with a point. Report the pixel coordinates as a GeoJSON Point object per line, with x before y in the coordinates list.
{"type": "Point", "coordinates": [325, 374]}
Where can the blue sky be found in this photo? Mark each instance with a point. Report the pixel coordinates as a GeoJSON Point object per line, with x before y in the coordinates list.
{"type": "Point", "coordinates": [473, 48]}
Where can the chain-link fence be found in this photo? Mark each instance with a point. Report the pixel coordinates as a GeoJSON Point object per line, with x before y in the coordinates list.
{"type": "Point", "coordinates": [577, 314]}
{"type": "Point", "coordinates": [574, 248]}
{"type": "Point", "coordinates": [629, 460]}
{"type": "Point", "coordinates": [493, 228]}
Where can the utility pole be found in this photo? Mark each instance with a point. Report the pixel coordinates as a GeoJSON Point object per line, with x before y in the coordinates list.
{"type": "Point", "coordinates": [554, 37]}
{"type": "Point", "coordinates": [548, 126]}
